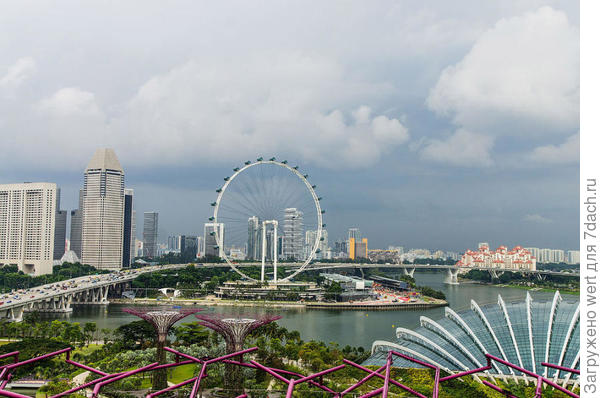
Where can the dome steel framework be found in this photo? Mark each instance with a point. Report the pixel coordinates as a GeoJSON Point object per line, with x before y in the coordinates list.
{"type": "Point", "coordinates": [527, 333]}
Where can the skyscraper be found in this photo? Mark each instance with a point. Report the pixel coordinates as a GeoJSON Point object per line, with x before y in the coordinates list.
{"type": "Point", "coordinates": [310, 238]}
{"type": "Point", "coordinates": [212, 247]}
{"type": "Point", "coordinates": [293, 234]}
{"type": "Point", "coordinates": [354, 233]}
{"type": "Point", "coordinates": [357, 249]}
{"type": "Point", "coordinates": [199, 246]}
{"type": "Point", "coordinates": [76, 220]}
{"type": "Point", "coordinates": [60, 234]}
{"type": "Point", "coordinates": [27, 226]}
{"type": "Point", "coordinates": [103, 209]}
{"type": "Point", "coordinates": [128, 229]}
{"type": "Point", "coordinates": [254, 245]}
{"type": "Point", "coordinates": [150, 233]}
{"type": "Point", "coordinates": [557, 256]}
{"type": "Point", "coordinates": [173, 243]}
{"type": "Point", "coordinates": [132, 249]}
{"type": "Point", "coordinates": [573, 256]}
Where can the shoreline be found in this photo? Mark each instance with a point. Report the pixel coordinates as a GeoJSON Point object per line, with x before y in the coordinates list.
{"type": "Point", "coordinates": [384, 306]}
{"type": "Point", "coordinates": [531, 288]}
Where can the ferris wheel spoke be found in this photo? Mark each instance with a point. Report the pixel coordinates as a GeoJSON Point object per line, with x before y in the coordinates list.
{"type": "Point", "coordinates": [249, 212]}
{"type": "Point", "coordinates": [266, 190]}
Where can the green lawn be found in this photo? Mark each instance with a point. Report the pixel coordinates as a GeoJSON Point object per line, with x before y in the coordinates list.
{"type": "Point", "coordinates": [87, 349]}
{"type": "Point", "coordinates": [182, 373]}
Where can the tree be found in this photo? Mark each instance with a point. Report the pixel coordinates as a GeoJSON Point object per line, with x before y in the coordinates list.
{"type": "Point", "coordinates": [89, 328]}
{"type": "Point", "coordinates": [136, 334]}
{"type": "Point", "coordinates": [191, 333]}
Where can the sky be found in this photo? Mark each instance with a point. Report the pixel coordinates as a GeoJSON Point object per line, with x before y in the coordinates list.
{"type": "Point", "coordinates": [426, 124]}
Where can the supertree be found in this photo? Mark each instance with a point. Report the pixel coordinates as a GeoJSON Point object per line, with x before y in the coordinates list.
{"type": "Point", "coordinates": [162, 318]}
{"type": "Point", "coordinates": [234, 330]}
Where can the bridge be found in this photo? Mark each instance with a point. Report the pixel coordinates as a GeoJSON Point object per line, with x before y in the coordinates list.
{"type": "Point", "coordinates": [409, 269]}
{"type": "Point", "coordinates": [59, 296]}
{"type": "Point", "coordinates": [94, 289]}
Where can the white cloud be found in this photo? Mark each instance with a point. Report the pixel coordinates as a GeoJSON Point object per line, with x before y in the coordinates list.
{"type": "Point", "coordinates": [463, 148]}
{"type": "Point", "coordinates": [525, 69]}
{"type": "Point", "coordinates": [17, 73]}
{"type": "Point", "coordinates": [287, 103]}
{"type": "Point", "coordinates": [71, 101]}
{"type": "Point", "coordinates": [567, 152]}
{"type": "Point", "coordinates": [294, 105]}
{"type": "Point", "coordinates": [536, 218]}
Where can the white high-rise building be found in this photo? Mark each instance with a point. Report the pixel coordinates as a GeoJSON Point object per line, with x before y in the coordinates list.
{"type": "Point", "coordinates": [212, 247]}
{"type": "Point", "coordinates": [27, 226]}
{"type": "Point", "coordinates": [254, 244]}
{"type": "Point", "coordinates": [103, 211]}
{"type": "Point", "coordinates": [535, 252]}
{"type": "Point", "coordinates": [573, 256]}
{"type": "Point", "coordinates": [309, 243]}
{"type": "Point", "coordinates": [557, 256]}
{"type": "Point", "coordinates": [545, 256]}
{"type": "Point", "coordinates": [200, 246]}
{"type": "Point", "coordinates": [293, 234]}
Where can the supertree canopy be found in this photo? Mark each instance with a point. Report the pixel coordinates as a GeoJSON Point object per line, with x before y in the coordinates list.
{"type": "Point", "coordinates": [162, 318]}
{"type": "Point", "coordinates": [234, 330]}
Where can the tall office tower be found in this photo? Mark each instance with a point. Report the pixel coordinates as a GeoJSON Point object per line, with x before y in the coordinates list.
{"type": "Point", "coordinates": [133, 235]}
{"type": "Point", "coordinates": [212, 247]}
{"type": "Point", "coordinates": [150, 234]}
{"type": "Point", "coordinates": [189, 247]}
{"type": "Point", "coordinates": [354, 233]}
{"type": "Point", "coordinates": [103, 208]}
{"type": "Point", "coordinates": [254, 244]}
{"type": "Point", "coordinates": [200, 246]}
{"type": "Point", "coordinates": [293, 234]}
{"type": "Point", "coordinates": [60, 229]}
{"type": "Point", "coordinates": [173, 243]}
{"type": "Point", "coordinates": [269, 235]}
{"type": "Point", "coordinates": [60, 234]}
{"type": "Point", "coordinates": [27, 224]}
{"type": "Point", "coordinates": [340, 246]}
{"type": "Point", "coordinates": [309, 243]}
{"type": "Point", "coordinates": [128, 228]}
{"type": "Point", "coordinates": [573, 256]}
{"type": "Point", "coordinates": [76, 220]}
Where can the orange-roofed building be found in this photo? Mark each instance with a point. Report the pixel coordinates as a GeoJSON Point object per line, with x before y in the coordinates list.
{"type": "Point", "coordinates": [501, 258]}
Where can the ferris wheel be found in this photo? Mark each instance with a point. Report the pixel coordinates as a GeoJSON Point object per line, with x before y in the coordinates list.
{"type": "Point", "coordinates": [269, 212]}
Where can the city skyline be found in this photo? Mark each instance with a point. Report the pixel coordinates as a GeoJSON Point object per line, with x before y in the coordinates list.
{"type": "Point", "coordinates": [396, 136]}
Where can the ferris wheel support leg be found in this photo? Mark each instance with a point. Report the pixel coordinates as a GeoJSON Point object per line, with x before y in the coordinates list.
{"type": "Point", "coordinates": [275, 252]}
{"type": "Point", "coordinates": [264, 252]}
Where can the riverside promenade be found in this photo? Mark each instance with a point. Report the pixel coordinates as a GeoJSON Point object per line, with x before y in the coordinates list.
{"type": "Point", "coordinates": [357, 305]}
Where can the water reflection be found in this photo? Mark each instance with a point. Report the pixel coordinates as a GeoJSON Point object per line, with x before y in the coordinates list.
{"type": "Point", "coordinates": [358, 328]}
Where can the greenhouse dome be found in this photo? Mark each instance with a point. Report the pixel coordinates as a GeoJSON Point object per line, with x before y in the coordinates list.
{"type": "Point", "coordinates": [525, 333]}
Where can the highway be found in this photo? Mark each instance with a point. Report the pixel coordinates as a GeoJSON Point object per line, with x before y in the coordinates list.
{"type": "Point", "coordinates": [58, 296]}
{"type": "Point", "coordinates": [93, 289]}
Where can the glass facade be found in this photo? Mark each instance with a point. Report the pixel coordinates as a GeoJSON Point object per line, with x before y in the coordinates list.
{"type": "Point", "coordinates": [459, 341]}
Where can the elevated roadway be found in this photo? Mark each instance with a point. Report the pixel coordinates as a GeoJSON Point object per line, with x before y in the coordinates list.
{"type": "Point", "coordinates": [94, 289]}
{"type": "Point", "coordinates": [58, 296]}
